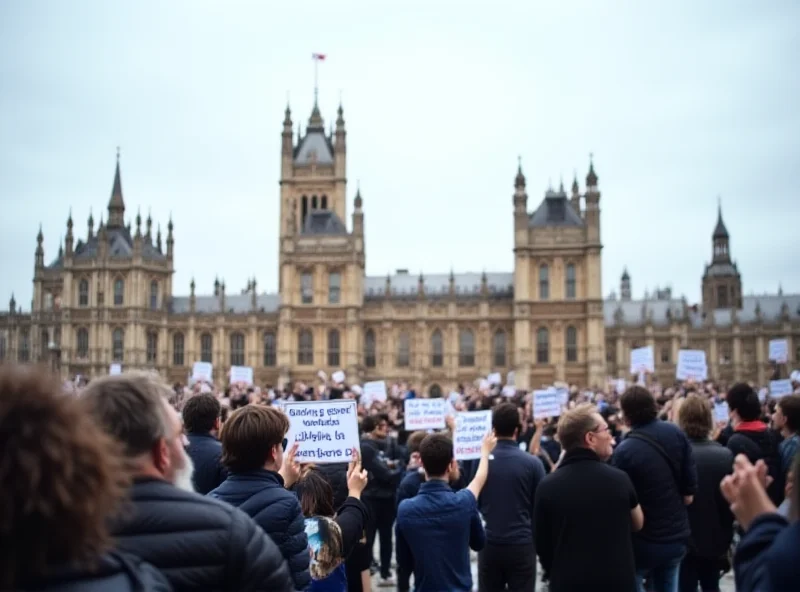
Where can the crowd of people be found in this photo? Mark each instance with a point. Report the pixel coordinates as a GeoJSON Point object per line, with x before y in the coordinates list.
{"type": "Point", "coordinates": [123, 483]}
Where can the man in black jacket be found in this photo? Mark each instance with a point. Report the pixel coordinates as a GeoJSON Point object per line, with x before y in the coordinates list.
{"type": "Point", "coordinates": [201, 420]}
{"type": "Point", "coordinates": [380, 492]}
{"type": "Point", "coordinates": [197, 542]}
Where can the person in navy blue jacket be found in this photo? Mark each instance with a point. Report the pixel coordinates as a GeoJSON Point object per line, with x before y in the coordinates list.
{"type": "Point", "coordinates": [201, 420]}
{"type": "Point", "coordinates": [253, 441]}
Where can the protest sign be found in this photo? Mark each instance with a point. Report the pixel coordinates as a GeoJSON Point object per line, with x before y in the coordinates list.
{"type": "Point", "coordinates": [115, 369]}
{"type": "Point", "coordinates": [373, 391]}
{"type": "Point", "coordinates": [546, 403]}
{"type": "Point", "coordinates": [780, 388]}
{"type": "Point", "coordinates": [424, 414]}
{"type": "Point", "coordinates": [691, 365]}
{"type": "Point", "coordinates": [494, 378]}
{"type": "Point", "coordinates": [642, 360]}
{"type": "Point", "coordinates": [327, 431]}
{"type": "Point", "coordinates": [338, 377]}
{"type": "Point", "coordinates": [721, 411]}
{"type": "Point", "coordinates": [241, 374]}
{"type": "Point", "coordinates": [471, 427]}
{"type": "Point", "coordinates": [778, 351]}
{"type": "Point", "coordinates": [202, 371]}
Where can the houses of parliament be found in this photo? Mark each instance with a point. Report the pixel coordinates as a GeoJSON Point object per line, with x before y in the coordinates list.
{"type": "Point", "coordinates": [108, 297]}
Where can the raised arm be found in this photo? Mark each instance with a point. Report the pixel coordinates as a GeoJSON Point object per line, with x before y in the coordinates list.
{"type": "Point", "coordinates": [479, 480]}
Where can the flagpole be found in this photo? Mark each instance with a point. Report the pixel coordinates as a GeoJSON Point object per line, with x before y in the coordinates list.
{"type": "Point", "coordinates": [316, 73]}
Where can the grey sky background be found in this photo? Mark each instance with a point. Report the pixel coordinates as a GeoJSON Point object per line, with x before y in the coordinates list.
{"type": "Point", "coordinates": [679, 101]}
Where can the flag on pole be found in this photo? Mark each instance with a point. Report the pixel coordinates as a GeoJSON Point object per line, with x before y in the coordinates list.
{"type": "Point", "coordinates": [318, 56]}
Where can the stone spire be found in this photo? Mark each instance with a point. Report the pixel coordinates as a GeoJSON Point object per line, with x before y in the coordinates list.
{"type": "Point", "coordinates": [116, 205]}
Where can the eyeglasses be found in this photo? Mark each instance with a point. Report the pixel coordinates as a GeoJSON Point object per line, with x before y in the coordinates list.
{"type": "Point", "coordinates": [600, 430]}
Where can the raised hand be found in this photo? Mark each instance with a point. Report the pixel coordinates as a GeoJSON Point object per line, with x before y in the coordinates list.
{"type": "Point", "coordinates": [356, 476]}
{"type": "Point", "coordinates": [488, 444]}
{"type": "Point", "coordinates": [745, 490]}
{"type": "Point", "coordinates": [290, 469]}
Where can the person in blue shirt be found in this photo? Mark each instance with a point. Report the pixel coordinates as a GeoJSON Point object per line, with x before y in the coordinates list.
{"type": "Point", "coordinates": [786, 419]}
{"type": "Point", "coordinates": [437, 528]}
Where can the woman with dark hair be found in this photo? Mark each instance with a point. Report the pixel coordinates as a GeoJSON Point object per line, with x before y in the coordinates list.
{"type": "Point", "coordinates": [62, 477]}
{"type": "Point", "coordinates": [332, 536]}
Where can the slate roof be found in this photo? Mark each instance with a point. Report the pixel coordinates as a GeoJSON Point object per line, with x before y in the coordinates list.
{"type": "Point", "coordinates": [120, 246]}
{"type": "Point", "coordinates": [500, 284]}
{"type": "Point", "coordinates": [323, 222]}
{"type": "Point", "coordinates": [555, 210]}
{"type": "Point", "coordinates": [314, 142]}
{"type": "Point", "coordinates": [236, 303]}
{"type": "Point", "coordinates": [722, 269]}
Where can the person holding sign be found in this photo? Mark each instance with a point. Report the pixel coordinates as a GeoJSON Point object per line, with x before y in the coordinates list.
{"type": "Point", "coordinates": [253, 442]}
{"type": "Point", "coordinates": [437, 528]}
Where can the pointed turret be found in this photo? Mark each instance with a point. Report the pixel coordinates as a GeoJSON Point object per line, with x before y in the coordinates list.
{"type": "Point", "coordinates": [625, 285]}
{"type": "Point", "coordinates": [575, 198]}
{"type": "Point", "coordinates": [720, 232]}
{"type": "Point", "coordinates": [158, 238]}
{"type": "Point", "coordinates": [720, 239]}
{"type": "Point", "coordinates": [358, 212]}
{"type": "Point", "coordinates": [39, 256]}
{"type": "Point", "coordinates": [253, 295]}
{"type": "Point", "coordinates": [340, 145]}
{"type": "Point", "coordinates": [90, 224]}
{"type": "Point", "coordinates": [70, 238]}
{"type": "Point", "coordinates": [170, 237]}
{"type": "Point", "coordinates": [421, 285]}
{"type": "Point", "coordinates": [12, 304]}
{"type": "Point", "coordinates": [484, 283]}
{"type": "Point", "coordinates": [286, 137]}
{"type": "Point", "coordinates": [116, 205]}
{"type": "Point", "coordinates": [591, 177]}
{"type": "Point", "coordinates": [148, 235]}
{"type": "Point", "coordinates": [138, 224]}
{"type": "Point", "coordinates": [452, 282]}
{"type": "Point", "coordinates": [315, 122]}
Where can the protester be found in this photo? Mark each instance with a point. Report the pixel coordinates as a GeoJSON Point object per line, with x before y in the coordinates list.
{"type": "Point", "coordinates": [409, 487]}
{"type": "Point", "coordinates": [585, 511]}
{"type": "Point", "coordinates": [439, 526]}
{"type": "Point", "coordinates": [787, 421]}
{"type": "Point", "coordinates": [710, 519]}
{"type": "Point", "coordinates": [658, 458]}
{"type": "Point", "coordinates": [198, 543]}
{"type": "Point", "coordinates": [201, 420]}
{"type": "Point", "coordinates": [506, 504]}
{"type": "Point", "coordinates": [253, 443]}
{"type": "Point", "coordinates": [62, 479]}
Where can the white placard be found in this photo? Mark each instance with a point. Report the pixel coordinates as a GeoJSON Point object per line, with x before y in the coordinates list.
{"type": "Point", "coordinates": [795, 376]}
{"type": "Point", "coordinates": [510, 378]}
{"type": "Point", "coordinates": [471, 427]}
{"type": "Point", "coordinates": [327, 431]}
{"type": "Point", "coordinates": [642, 360]}
{"type": "Point", "coordinates": [780, 388]}
{"type": "Point", "coordinates": [279, 404]}
{"type": "Point", "coordinates": [202, 371]}
{"type": "Point", "coordinates": [424, 414]}
{"type": "Point", "coordinates": [495, 378]}
{"type": "Point", "coordinates": [546, 403]}
{"type": "Point", "coordinates": [721, 411]}
{"type": "Point", "coordinates": [509, 390]}
{"type": "Point", "coordinates": [563, 395]}
{"type": "Point", "coordinates": [115, 369]}
{"type": "Point", "coordinates": [484, 384]}
{"type": "Point", "coordinates": [338, 377]}
{"type": "Point", "coordinates": [374, 391]}
{"type": "Point", "coordinates": [620, 385]}
{"type": "Point", "coordinates": [778, 350]}
{"type": "Point", "coordinates": [241, 374]}
{"type": "Point", "coordinates": [691, 364]}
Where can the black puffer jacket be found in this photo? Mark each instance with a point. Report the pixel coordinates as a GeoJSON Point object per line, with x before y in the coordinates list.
{"type": "Point", "coordinates": [197, 542]}
{"type": "Point", "coordinates": [115, 572]}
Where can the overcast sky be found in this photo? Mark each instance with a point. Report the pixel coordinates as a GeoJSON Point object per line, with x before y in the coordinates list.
{"type": "Point", "coordinates": [679, 101]}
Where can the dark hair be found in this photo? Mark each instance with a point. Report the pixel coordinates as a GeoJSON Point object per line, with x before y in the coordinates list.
{"type": "Point", "coordinates": [790, 407]}
{"type": "Point", "coordinates": [368, 424]}
{"type": "Point", "coordinates": [200, 413]}
{"type": "Point", "coordinates": [315, 494]}
{"type": "Point", "coordinates": [249, 436]}
{"type": "Point", "coordinates": [436, 453]}
{"type": "Point", "coordinates": [414, 440]}
{"type": "Point", "coordinates": [505, 420]}
{"type": "Point", "coordinates": [62, 479]}
{"type": "Point", "coordinates": [694, 417]}
{"type": "Point", "coordinates": [743, 399]}
{"type": "Point", "coordinates": [638, 405]}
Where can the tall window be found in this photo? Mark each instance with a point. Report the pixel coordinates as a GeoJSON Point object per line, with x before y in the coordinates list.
{"type": "Point", "coordinates": [403, 350]}
{"type": "Point", "coordinates": [305, 348]}
{"type": "Point", "coordinates": [544, 282]}
{"type": "Point", "coordinates": [2, 347]}
{"type": "Point", "coordinates": [306, 288]}
{"type": "Point", "coordinates": [437, 349]}
{"type": "Point", "coordinates": [466, 348]}
{"type": "Point", "coordinates": [82, 340]}
{"type": "Point", "coordinates": [206, 347]}
{"type": "Point", "coordinates": [499, 349]}
{"type": "Point", "coordinates": [237, 349]}
{"type": "Point", "coordinates": [665, 355]}
{"type": "Point", "coordinates": [334, 287]}
{"type": "Point", "coordinates": [152, 347]}
{"type": "Point", "coordinates": [154, 295]}
{"type": "Point", "coordinates": [369, 349]}
{"type": "Point", "coordinates": [83, 293]}
{"type": "Point", "coordinates": [270, 349]}
{"type": "Point", "coordinates": [569, 288]}
{"type": "Point", "coordinates": [119, 292]}
{"type": "Point", "coordinates": [333, 348]}
{"type": "Point", "coordinates": [118, 345]}
{"type": "Point", "coordinates": [177, 349]}
{"type": "Point", "coordinates": [572, 344]}
{"type": "Point", "coordinates": [542, 346]}
{"type": "Point", "coordinates": [44, 344]}
{"type": "Point", "coordinates": [24, 353]}
{"type": "Point", "coordinates": [722, 296]}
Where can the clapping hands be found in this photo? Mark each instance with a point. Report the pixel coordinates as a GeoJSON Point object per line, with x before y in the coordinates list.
{"type": "Point", "coordinates": [745, 490]}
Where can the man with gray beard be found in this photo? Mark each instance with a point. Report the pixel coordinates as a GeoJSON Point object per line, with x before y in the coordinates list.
{"type": "Point", "coordinates": [197, 542]}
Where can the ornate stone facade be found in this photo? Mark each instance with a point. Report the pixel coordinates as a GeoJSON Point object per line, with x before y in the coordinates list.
{"type": "Point", "coordinates": [109, 298]}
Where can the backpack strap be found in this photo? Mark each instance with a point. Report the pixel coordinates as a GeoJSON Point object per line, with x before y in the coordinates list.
{"type": "Point", "coordinates": [673, 465]}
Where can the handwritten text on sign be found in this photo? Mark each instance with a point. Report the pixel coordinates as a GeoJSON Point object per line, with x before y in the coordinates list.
{"type": "Point", "coordinates": [471, 427]}
{"type": "Point", "coordinates": [546, 403]}
{"type": "Point", "coordinates": [779, 350]}
{"type": "Point", "coordinates": [691, 364]}
{"type": "Point", "coordinates": [642, 360]}
{"type": "Point", "coordinates": [424, 414]}
{"type": "Point", "coordinates": [327, 431]}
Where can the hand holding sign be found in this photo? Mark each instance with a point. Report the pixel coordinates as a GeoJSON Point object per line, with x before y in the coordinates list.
{"type": "Point", "coordinates": [488, 444]}
{"type": "Point", "coordinates": [290, 469]}
{"type": "Point", "coordinates": [356, 476]}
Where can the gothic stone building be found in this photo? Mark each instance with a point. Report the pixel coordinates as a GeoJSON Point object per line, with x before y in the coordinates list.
{"type": "Point", "coordinates": [108, 298]}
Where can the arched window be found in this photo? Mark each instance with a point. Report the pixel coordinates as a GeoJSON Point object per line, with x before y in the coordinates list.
{"type": "Point", "coordinates": [305, 348]}
{"type": "Point", "coordinates": [542, 346]}
{"type": "Point", "coordinates": [206, 348]}
{"type": "Point", "coordinates": [333, 348]}
{"type": "Point", "coordinates": [83, 293]}
{"type": "Point", "coordinates": [334, 287]}
{"type": "Point", "coordinates": [154, 295]}
{"type": "Point", "coordinates": [437, 349]}
{"type": "Point", "coordinates": [118, 345]}
{"type": "Point", "coordinates": [303, 210]}
{"type": "Point", "coordinates": [435, 391]}
{"type": "Point", "coordinates": [314, 202]}
{"type": "Point", "coordinates": [403, 350]}
{"type": "Point", "coordinates": [569, 288]}
{"type": "Point", "coordinates": [237, 349]}
{"type": "Point", "coordinates": [571, 338]}
{"type": "Point", "coordinates": [24, 353]}
{"type": "Point", "coordinates": [544, 282]}
{"type": "Point", "coordinates": [499, 348]}
{"type": "Point", "coordinates": [324, 202]}
{"type": "Point", "coordinates": [722, 296]}
{"type": "Point", "coordinates": [82, 344]}
{"type": "Point", "coordinates": [43, 345]}
{"type": "Point", "coordinates": [369, 349]}
{"type": "Point", "coordinates": [306, 288]}
{"type": "Point", "coordinates": [152, 347]}
{"type": "Point", "coordinates": [177, 349]}
{"type": "Point", "coordinates": [119, 292]}
{"type": "Point", "coordinates": [466, 348]}
{"type": "Point", "coordinates": [270, 349]}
